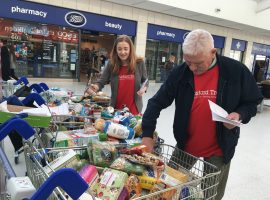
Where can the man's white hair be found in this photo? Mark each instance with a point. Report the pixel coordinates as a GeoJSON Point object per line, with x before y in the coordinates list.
{"type": "Point", "coordinates": [198, 41]}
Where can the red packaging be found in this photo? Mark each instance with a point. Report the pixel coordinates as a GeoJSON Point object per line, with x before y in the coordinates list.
{"type": "Point", "coordinates": [89, 173]}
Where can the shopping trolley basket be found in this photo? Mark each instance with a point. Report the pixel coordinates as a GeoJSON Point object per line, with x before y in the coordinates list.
{"type": "Point", "coordinates": [18, 188]}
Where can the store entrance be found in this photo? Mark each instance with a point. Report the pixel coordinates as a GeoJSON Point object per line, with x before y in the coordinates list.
{"type": "Point", "coordinates": [261, 69]}
{"type": "Point", "coordinates": [157, 53]}
{"type": "Point", "coordinates": [95, 49]}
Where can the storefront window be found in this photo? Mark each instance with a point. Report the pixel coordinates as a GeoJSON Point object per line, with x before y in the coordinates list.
{"type": "Point", "coordinates": [42, 50]}
{"type": "Point", "coordinates": [261, 69]}
{"type": "Point", "coordinates": [219, 51]}
{"type": "Point", "coordinates": [236, 55]}
{"type": "Point", "coordinates": [157, 53]}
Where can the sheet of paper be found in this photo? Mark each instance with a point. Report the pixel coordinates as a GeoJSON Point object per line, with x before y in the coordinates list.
{"type": "Point", "coordinates": [41, 111]}
{"type": "Point", "coordinates": [219, 114]}
{"type": "Point", "coordinates": [145, 84]}
{"type": "Point", "coordinates": [60, 110]}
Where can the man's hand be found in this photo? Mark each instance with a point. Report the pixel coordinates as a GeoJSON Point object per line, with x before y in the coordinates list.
{"type": "Point", "coordinates": [149, 143]}
{"type": "Point", "coordinates": [233, 116]}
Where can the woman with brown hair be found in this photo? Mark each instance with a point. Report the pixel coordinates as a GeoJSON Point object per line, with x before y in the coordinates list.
{"type": "Point", "coordinates": [127, 75]}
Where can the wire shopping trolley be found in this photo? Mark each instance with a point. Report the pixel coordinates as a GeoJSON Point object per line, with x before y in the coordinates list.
{"type": "Point", "coordinates": [17, 188]}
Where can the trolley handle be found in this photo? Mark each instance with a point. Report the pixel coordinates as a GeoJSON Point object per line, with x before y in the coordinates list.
{"type": "Point", "coordinates": [3, 132]}
{"type": "Point", "coordinates": [17, 124]}
{"type": "Point", "coordinates": [44, 86]}
{"type": "Point", "coordinates": [68, 179]}
{"type": "Point", "coordinates": [36, 87]}
{"type": "Point", "coordinates": [23, 80]}
{"type": "Point", "coordinates": [17, 116]}
{"type": "Point", "coordinates": [33, 97]}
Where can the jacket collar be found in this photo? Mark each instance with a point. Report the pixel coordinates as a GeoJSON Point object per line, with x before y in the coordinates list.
{"type": "Point", "coordinates": [188, 75]}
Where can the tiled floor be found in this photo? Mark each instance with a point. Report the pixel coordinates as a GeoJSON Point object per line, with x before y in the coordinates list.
{"type": "Point", "coordinates": [249, 176]}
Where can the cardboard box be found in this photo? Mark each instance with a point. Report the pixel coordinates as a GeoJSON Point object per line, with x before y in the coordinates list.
{"type": "Point", "coordinates": [35, 121]}
{"type": "Point", "coordinates": [69, 138]}
{"type": "Point", "coordinates": [67, 159]}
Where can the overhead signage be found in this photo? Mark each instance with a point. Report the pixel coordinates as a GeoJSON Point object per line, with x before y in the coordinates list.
{"type": "Point", "coordinates": [17, 9]}
{"type": "Point", "coordinates": [48, 14]}
{"type": "Point", "coordinates": [261, 49]}
{"type": "Point", "coordinates": [75, 19]}
{"type": "Point", "coordinates": [238, 45]}
{"type": "Point", "coordinates": [218, 41]}
{"type": "Point", "coordinates": [157, 32]}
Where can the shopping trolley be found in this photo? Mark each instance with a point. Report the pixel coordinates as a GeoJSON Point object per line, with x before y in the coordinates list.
{"type": "Point", "coordinates": [18, 188]}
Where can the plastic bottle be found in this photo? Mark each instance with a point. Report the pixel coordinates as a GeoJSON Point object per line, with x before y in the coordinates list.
{"type": "Point", "coordinates": [118, 131]}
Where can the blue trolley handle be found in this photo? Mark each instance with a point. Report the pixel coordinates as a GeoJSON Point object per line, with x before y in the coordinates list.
{"type": "Point", "coordinates": [68, 179]}
{"type": "Point", "coordinates": [19, 125]}
{"type": "Point", "coordinates": [44, 86]}
{"type": "Point", "coordinates": [23, 128]}
{"type": "Point", "coordinates": [33, 96]}
{"type": "Point", "coordinates": [37, 88]}
{"type": "Point", "coordinates": [23, 80]}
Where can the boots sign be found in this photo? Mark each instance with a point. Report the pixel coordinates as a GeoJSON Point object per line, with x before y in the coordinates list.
{"type": "Point", "coordinates": [75, 19]}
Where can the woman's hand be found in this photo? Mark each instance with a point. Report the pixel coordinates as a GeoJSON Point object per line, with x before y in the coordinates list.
{"type": "Point", "coordinates": [142, 91]}
{"type": "Point", "coordinates": [92, 89]}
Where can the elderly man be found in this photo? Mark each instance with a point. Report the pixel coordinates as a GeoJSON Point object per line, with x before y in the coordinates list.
{"type": "Point", "coordinates": [205, 76]}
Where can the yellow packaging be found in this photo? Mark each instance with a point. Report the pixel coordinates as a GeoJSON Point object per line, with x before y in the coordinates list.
{"type": "Point", "coordinates": [147, 182]}
{"type": "Point", "coordinates": [176, 174]}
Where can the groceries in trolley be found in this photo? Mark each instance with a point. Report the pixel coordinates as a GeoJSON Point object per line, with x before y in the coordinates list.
{"type": "Point", "coordinates": [116, 171]}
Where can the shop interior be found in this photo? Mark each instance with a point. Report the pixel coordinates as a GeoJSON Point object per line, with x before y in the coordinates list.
{"type": "Point", "coordinates": [41, 50]}
{"type": "Point", "coordinates": [237, 55]}
{"type": "Point", "coordinates": [95, 49]}
{"type": "Point", "coordinates": [261, 69]}
{"type": "Point", "coordinates": [157, 53]}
